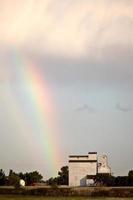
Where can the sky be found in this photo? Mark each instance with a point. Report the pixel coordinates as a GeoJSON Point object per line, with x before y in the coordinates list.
{"type": "Point", "coordinates": [66, 83]}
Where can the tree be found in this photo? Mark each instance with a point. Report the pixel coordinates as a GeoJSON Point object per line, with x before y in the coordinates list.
{"type": "Point", "coordinates": [14, 179]}
{"type": "Point", "coordinates": [104, 179]}
{"type": "Point", "coordinates": [29, 177]}
{"type": "Point", "coordinates": [21, 175]}
{"type": "Point", "coordinates": [2, 177]}
{"type": "Point", "coordinates": [54, 182]}
{"type": "Point", "coordinates": [121, 181]}
{"type": "Point", "coordinates": [130, 173]}
{"type": "Point", "coordinates": [63, 175]}
{"type": "Point", "coordinates": [130, 177]}
{"type": "Point", "coordinates": [61, 179]}
{"type": "Point", "coordinates": [32, 177]}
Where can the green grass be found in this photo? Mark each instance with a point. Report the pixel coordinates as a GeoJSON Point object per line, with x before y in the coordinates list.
{"type": "Point", "coordinates": [17, 197]}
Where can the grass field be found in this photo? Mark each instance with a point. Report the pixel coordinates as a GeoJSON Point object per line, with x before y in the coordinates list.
{"type": "Point", "coordinates": [13, 197]}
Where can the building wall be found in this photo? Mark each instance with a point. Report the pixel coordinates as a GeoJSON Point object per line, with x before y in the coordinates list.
{"type": "Point", "coordinates": [79, 171]}
{"type": "Point", "coordinates": [103, 167]}
{"type": "Point", "coordinates": [83, 166]}
{"type": "Point", "coordinates": [80, 167]}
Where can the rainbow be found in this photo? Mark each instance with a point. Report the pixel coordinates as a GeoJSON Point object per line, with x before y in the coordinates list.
{"type": "Point", "coordinates": [39, 96]}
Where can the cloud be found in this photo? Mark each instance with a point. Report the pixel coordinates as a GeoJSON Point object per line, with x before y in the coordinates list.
{"type": "Point", "coordinates": [123, 108]}
{"type": "Point", "coordinates": [73, 72]}
{"type": "Point", "coordinates": [71, 41]}
{"type": "Point", "coordinates": [85, 108]}
{"type": "Point", "coordinates": [70, 28]}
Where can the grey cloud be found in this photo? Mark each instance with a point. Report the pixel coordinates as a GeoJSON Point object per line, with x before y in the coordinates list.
{"type": "Point", "coordinates": [86, 108]}
{"type": "Point", "coordinates": [115, 68]}
{"type": "Point", "coordinates": [123, 108]}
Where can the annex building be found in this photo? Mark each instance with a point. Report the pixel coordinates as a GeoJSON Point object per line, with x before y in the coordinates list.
{"type": "Point", "coordinates": [84, 168]}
